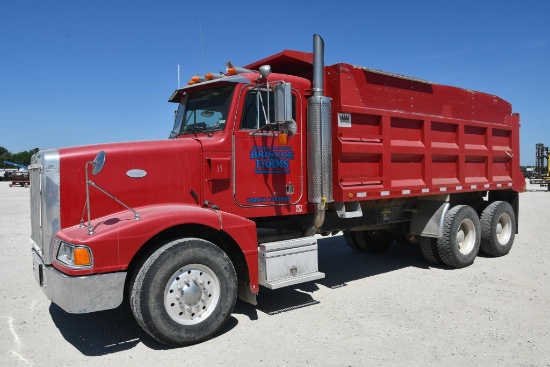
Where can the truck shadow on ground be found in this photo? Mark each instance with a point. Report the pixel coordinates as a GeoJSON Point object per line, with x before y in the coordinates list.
{"type": "Point", "coordinates": [107, 332]}
{"type": "Point", "coordinates": [116, 330]}
{"type": "Point", "coordinates": [100, 333]}
{"type": "Point", "coordinates": [341, 265]}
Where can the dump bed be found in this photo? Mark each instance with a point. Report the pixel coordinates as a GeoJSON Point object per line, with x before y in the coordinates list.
{"type": "Point", "coordinates": [394, 136]}
{"type": "Point", "coordinates": [397, 136]}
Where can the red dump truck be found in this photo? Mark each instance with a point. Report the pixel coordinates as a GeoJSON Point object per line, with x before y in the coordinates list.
{"type": "Point", "coordinates": [259, 162]}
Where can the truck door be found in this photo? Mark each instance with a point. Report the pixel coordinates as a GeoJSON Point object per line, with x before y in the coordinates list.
{"type": "Point", "coordinates": [268, 172]}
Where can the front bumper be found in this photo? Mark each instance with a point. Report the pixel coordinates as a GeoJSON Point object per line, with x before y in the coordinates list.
{"type": "Point", "coordinates": [79, 294]}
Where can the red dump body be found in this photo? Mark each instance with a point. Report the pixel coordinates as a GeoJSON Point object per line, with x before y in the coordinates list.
{"type": "Point", "coordinates": [398, 136]}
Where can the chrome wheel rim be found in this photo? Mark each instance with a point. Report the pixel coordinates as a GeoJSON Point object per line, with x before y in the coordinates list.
{"type": "Point", "coordinates": [191, 294]}
{"type": "Point", "coordinates": [504, 229]}
{"type": "Point", "coordinates": [466, 237]}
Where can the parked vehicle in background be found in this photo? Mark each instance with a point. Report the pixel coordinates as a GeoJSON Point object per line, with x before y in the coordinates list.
{"type": "Point", "coordinates": [19, 178]}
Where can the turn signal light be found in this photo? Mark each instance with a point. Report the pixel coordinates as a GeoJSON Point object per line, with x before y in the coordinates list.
{"type": "Point", "coordinates": [283, 139]}
{"type": "Point", "coordinates": [82, 256]}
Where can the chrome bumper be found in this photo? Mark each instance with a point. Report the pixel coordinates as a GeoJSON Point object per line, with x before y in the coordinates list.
{"type": "Point", "coordinates": [79, 294]}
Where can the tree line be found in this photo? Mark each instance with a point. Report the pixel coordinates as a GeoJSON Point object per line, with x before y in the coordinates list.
{"type": "Point", "coordinates": [20, 158]}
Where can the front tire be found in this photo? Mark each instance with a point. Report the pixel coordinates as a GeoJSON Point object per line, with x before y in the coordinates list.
{"type": "Point", "coordinates": [498, 228]}
{"type": "Point", "coordinates": [459, 245]}
{"type": "Point", "coordinates": [184, 292]}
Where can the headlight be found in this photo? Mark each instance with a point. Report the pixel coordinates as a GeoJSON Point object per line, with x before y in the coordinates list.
{"type": "Point", "coordinates": [74, 256]}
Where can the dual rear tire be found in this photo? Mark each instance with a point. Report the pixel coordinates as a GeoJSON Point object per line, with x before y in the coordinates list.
{"type": "Point", "coordinates": [369, 241]}
{"type": "Point", "coordinates": [498, 228]}
{"type": "Point", "coordinates": [465, 233]}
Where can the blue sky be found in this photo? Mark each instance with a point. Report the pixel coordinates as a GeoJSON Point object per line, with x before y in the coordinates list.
{"type": "Point", "coordinates": [81, 72]}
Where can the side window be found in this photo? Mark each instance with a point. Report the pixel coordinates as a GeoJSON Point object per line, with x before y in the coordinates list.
{"type": "Point", "coordinates": [256, 108]}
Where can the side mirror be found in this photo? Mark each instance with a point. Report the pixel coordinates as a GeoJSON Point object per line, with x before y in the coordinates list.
{"type": "Point", "coordinates": [283, 102]}
{"type": "Point", "coordinates": [98, 162]}
{"type": "Point", "coordinates": [283, 109]}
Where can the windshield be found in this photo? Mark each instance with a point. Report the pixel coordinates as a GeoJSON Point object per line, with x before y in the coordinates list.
{"type": "Point", "coordinates": [203, 111]}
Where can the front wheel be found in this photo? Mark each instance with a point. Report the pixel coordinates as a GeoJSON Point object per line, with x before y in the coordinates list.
{"type": "Point", "coordinates": [184, 292]}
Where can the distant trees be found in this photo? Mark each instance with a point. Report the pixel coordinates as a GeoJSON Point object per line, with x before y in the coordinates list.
{"type": "Point", "coordinates": [21, 157]}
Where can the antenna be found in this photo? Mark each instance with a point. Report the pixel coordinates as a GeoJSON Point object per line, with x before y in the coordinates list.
{"type": "Point", "coordinates": [178, 76]}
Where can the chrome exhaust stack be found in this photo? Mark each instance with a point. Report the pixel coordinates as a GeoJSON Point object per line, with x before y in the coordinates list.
{"type": "Point", "coordinates": [319, 141]}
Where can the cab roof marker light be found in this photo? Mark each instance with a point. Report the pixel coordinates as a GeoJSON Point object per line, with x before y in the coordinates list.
{"type": "Point", "coordinates": [231, 69]}
{"type": "Point", "coordinates": [198, 79]}
{"type": "Point", "coordinates": [212, 76]}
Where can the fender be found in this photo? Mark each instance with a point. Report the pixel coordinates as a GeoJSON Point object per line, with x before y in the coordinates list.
{"type": "Point", "coordinates": [119, 236]}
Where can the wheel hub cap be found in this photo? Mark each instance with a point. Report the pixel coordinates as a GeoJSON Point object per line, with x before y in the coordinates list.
{"type": "Point", "coordinates": [191, 294]}
{"type": "Point", "coordinates": [504, 229]}
{"type": "Point", "coordinates": [466, 237]}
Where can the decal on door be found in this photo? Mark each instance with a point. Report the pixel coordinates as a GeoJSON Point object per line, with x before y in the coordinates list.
{"type": "Point", "coordinates": [270, 200]}
{"type": "Point", "coordinates": [271, 160]}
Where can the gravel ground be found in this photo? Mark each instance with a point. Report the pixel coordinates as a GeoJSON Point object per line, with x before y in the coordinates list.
{"type": "Point", "coordinates": [393, 309]}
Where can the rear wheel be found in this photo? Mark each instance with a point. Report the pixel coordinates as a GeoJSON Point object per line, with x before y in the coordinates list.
{"type": "Point", "coordinates": [498, 228]}
{"type": "Point", "coordinates": [377, 241]}
{"type": "Point", "coordinates": [184, 292]}
{"type": "Point", "coordinates": [369, 241]}
{"type": "Point", "coordinates": [459, 245]}
{"type": "Point", "coordinates": [428, 247]}
{"type": "Point", "coordinates": [349, 238]}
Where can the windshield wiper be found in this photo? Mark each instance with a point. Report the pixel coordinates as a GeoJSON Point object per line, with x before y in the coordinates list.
{"type": "Point", "coordinates": [194, 129]}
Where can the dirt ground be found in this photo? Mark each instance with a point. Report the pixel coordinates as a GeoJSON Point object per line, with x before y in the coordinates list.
{"type": "Point", "coordinates": [393, 309]}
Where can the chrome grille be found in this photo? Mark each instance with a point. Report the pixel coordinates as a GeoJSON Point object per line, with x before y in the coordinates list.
{"type": "Point", "coordinates": [45, 209]}
{"type": "Point", "coordinates": [36, 187]}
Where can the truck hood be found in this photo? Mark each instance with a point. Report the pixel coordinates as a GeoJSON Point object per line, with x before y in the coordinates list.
{"type": "Point", "coordinates": [136, 173]}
